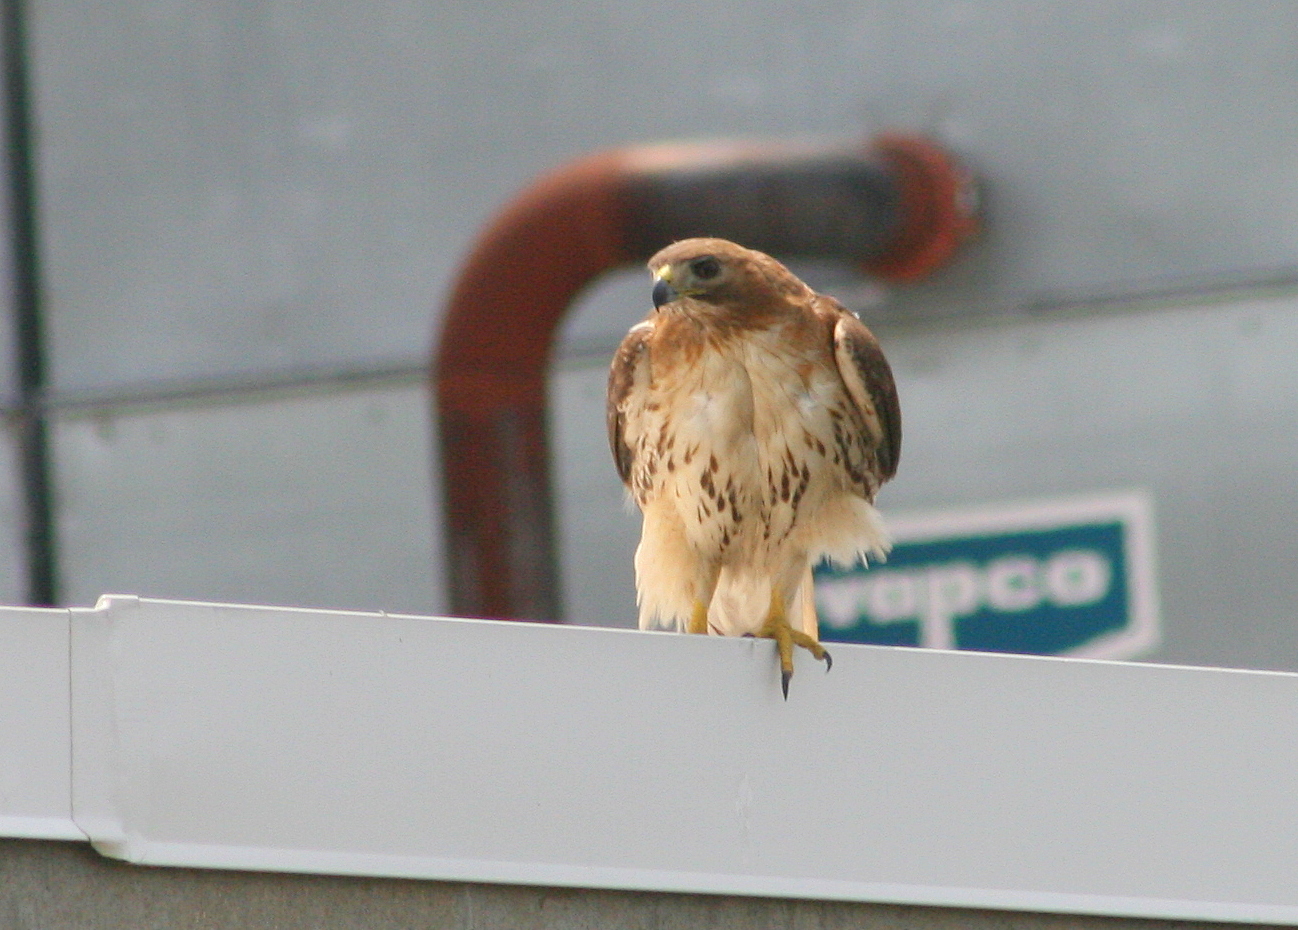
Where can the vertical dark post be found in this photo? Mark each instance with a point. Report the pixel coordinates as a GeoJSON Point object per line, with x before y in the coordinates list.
{"type": "Point", "coordinates": [32, 426]}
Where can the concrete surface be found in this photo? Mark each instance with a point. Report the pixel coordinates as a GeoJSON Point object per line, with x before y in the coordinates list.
{"type": "Point", "coordinates": [66, 886]}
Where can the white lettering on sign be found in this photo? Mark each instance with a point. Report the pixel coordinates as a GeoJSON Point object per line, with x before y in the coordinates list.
{"type": "Point", "coordinates": [950, 591]}
{"type": "Point", "coordinates": [936, 595]}
{"type": "Point", "coordinates": [1012, 584]}
{"type": "Point", "coordinates": [1078, 576]}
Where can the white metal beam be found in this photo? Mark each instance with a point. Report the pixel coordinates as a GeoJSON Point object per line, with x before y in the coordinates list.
{"type": "Point", "coordinates": [259, 738]}
{"type": "Point", "coordinates": [35, 727]}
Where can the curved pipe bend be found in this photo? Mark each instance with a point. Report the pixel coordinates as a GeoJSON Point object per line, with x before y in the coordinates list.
{"type": "Point", "coordinates": [899, 208]}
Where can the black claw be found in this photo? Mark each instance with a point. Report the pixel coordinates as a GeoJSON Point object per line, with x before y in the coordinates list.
{"type": "Point", "coordinates": [829, 662]}
{"type": "Point", "coordinates": [784, 682]}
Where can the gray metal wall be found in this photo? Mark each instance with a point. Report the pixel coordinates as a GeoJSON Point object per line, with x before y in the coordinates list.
{"type": "Point", "coordinates": [238, 197]}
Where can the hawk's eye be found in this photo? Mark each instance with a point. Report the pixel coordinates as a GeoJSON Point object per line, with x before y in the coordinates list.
{"type": "Point", "coordinates": [706, 268]}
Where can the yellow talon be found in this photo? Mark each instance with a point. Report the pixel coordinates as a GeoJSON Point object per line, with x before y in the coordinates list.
{"type": "Point", "coordinates": [699, 618]}
{"type": "Point", "coordinates": [776, 627]}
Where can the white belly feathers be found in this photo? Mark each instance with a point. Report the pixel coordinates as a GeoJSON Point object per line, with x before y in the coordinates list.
{"type": "Point", "coordinates": [741, 483]}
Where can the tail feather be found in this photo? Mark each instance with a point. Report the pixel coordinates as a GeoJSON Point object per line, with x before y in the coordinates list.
{"type": "Point", "coordinates": [741, 602]}
{"type": "Point", "coordinates": [805, 601]}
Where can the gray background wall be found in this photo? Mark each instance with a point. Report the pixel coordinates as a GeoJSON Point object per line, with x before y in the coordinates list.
{"type": "Point", "coordinates": [251, 215]}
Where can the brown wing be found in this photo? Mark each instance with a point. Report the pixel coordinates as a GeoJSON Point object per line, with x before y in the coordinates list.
{"type": "Point", "coordinates": [630, 368]}
{"type": "Point", "coordinates": [868, 378]}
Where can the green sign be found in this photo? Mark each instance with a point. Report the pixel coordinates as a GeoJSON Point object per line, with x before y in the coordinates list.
{"type": "Point", "coordinates": [1062, 577]}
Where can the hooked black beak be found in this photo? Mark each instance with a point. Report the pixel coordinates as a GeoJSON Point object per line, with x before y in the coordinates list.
{"type": "Point", "coordinates": [663, 293]}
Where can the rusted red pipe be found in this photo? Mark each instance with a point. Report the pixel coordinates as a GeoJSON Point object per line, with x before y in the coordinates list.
{"type": "Point", "coordinates": [899, 208]}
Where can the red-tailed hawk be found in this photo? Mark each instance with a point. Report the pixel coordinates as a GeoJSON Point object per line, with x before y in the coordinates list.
{"type": "Point", "coordinates": [752, 421]}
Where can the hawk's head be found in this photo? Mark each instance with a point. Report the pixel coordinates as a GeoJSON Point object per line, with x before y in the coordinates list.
{"type": "Point", "coordinates": [721, 273]}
